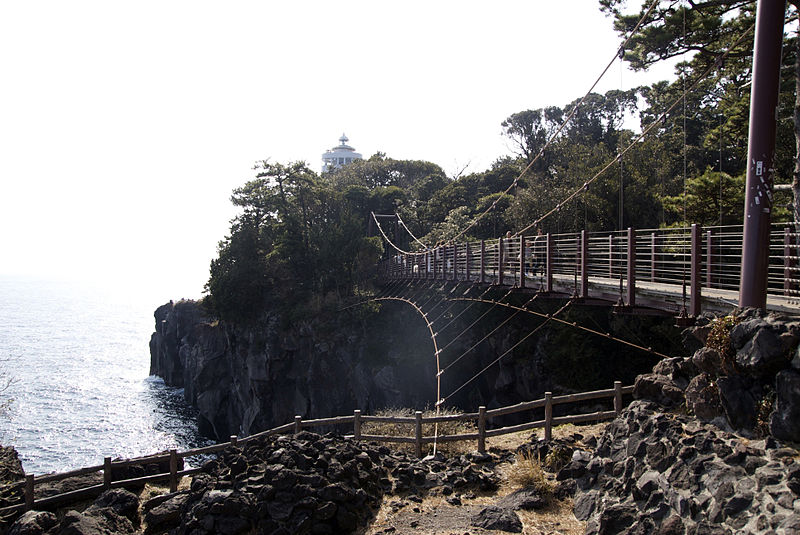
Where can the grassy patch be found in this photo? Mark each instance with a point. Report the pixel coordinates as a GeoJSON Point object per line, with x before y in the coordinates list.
{"type": "Point", "coordinates": [428, 430]}
{"type": "Point", "coordinates": [527, 471]}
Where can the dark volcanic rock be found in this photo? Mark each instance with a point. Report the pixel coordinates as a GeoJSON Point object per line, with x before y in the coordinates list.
{"type": "Point", "coordinates": [658, 388]}
{"type": "Point", "coordinates": [33, 523]}
{"type": "Point", "coordinates": [666, 473]}
{"type": "Point", "coordinates": [100, 521]}
{"type": "Point", "coordinates": [785, 420]}
{"type": "Point", "coordinates": [494, 517]}
{"type": "Point", "coordinates": [310, 483]}
{"type": "Point", "coordinates": [526, 499]}
{"type": "Point", "coordinates": [702, 398]}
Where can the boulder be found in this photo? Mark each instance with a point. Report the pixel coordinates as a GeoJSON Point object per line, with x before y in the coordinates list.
{"type": "Point", "coordinates": [122, 502]}
{"type": "Point", "coordinates": [739, 402]}
{"type": "Point", "coordinates": [659, 389]}
{"type": "Point", "coordinates": [702, 398]}
{"type": "Point", "coordinates": [763, 354]}
{"type": "Point", "coordinates": [100, 521]}
{"type": "Point", "coordinates": [161, 515]}
{"type": "Point", "coordinates": [497, 518]}
{"type": "Point", "coordinates": [526, 499]}
{"type": "Point", "coordinates": [785, 419]}
{"type": "Point", "coordinates": [33, 523]}
{"type": "Point", "coordinates": [708, 360]}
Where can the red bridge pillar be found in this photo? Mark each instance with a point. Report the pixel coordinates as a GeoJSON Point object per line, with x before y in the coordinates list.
{"type": "Point", "coordinates": [761, 152]}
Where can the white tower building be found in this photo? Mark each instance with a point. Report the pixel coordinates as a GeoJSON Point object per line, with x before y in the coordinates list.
{"type": "Point", "coordinates": [340, 155]}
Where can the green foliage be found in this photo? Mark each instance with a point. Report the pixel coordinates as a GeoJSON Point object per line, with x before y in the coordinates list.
{"type": "Point", "coordinates": [299, 244]}
{"type": "Point", "coordinates": [712, 198]}
{"type": "Point", "coordinates": [301, 237]}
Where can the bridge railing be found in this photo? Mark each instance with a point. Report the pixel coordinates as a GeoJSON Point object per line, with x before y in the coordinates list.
{"type": "Point", "coordinates": [173, 458]}
{"type": "Point", "coordinates": [694, 257]}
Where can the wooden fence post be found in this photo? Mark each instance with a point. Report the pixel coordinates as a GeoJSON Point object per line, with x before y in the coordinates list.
{"type": "Point", "coordinates": [357, 424]}
{"type": "Point", "coordinates": [481, 429]}
{"type": "Point", "coordinates": [29, 489]}
{"type": "Point", "coordinates": [107, 472]}
{"type": "Point", "coordinates": [173, 470]}
{"type": "Point", "coordinates": [418, 433]}
{"type": "Point", "coordinates": [548, 415]}
{"type": "Point", "coordinates": [298, 422]}
{"type": "Point", "coordinates": [618, 397]}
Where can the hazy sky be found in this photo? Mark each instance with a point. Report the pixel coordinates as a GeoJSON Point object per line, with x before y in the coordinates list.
{"type": "Point", "coordinates": [125, 126]}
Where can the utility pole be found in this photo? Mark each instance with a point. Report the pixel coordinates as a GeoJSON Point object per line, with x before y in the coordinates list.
{"type": "Point", "coordinates": [761, 152]}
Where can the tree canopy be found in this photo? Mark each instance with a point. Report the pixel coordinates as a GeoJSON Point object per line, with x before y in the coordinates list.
{"type": "Point", "coordinates": [302, 240]}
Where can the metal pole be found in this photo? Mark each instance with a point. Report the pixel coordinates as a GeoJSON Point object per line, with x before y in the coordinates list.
{"type": "Point", "coordinates": [696, 246]}
{"type": "Point", "coordinates": [631, 267]}
{"type": "Point", "coordinates": [584, 265]}
{"type": "Point", "coordinates": [761, 152]}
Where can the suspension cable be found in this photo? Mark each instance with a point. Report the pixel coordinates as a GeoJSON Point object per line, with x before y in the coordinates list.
{"type": "Point", "coordinates": [471, 325]}
{"type": "Point", "coordinates": [585, 186]}
{"type": "Point", "coordinates": [454, 318]}
{"type": "Point", "coordinates": [560, 128]}
{"type": "Point", "coordinates": [390, 242]}
{"type": "Point", "coordinates": [507, 351]}
{"type": "Point", "coordinates": [575, 325]}
{"type": "Point", "coordinates": [403, 224]}
{"type": "Point", "coordinates": [476, 344]}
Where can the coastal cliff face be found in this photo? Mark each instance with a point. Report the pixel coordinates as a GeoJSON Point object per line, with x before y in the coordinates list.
{"type": "Point", "coordinates": [247, 379]}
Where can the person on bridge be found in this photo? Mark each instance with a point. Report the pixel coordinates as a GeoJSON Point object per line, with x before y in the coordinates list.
{"type": "Point", "coordinates": [538, 251]}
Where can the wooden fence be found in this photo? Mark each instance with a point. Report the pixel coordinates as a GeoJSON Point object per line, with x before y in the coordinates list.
{"type": "Point", "coordinates": [356, 420]}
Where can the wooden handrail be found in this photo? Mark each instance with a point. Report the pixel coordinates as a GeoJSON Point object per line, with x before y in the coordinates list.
{"type": "Point", "coordinates": [415, 437]}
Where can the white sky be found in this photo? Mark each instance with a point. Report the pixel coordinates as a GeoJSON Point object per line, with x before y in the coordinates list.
{"type": "Point", "coordinates": [124, 127]}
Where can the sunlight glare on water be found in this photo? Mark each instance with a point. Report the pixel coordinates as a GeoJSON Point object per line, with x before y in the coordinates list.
{"type": "Point", "coordinates": [79, 358]}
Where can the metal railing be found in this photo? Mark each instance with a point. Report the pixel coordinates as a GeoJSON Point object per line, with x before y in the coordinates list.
{"type": "Point", "coordinates": [691, 257]}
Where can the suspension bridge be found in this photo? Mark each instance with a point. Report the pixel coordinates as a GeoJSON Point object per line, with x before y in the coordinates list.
{"type": "Point", "coordinates": [677, 271]}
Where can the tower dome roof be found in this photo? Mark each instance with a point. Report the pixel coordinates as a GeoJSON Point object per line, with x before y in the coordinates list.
{"type": "Point", "coordinates": [339, 155]}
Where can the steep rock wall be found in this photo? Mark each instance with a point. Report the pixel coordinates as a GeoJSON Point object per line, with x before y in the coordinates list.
{"type": "Point", "coordinates": [246, 379]}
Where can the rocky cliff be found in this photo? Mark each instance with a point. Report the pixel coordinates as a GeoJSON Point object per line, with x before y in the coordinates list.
{"type": "Point", "coordinates": [246, 379]}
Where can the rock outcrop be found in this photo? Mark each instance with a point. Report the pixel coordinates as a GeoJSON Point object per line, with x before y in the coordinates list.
{"type": "Point", "coordinates": [746, 379]}
{"type": "Point", "coordinates": [668, 473]}
{"type": "Point", "coordinates": [306, 483]}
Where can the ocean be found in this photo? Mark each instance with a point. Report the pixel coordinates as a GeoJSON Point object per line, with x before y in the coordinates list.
{"type": "Point", "coordinates": [78, 360]}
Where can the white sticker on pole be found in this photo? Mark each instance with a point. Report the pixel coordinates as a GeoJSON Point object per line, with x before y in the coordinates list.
{"type": "Point", "coordinates": [759, 168]}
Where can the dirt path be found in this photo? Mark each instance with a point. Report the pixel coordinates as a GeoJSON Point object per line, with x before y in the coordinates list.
{"type": "Point", "coordinates": [435, 514]}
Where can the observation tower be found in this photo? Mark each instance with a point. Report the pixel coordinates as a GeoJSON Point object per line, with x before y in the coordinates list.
{"type": "Point", "coordinates": [340, 155]}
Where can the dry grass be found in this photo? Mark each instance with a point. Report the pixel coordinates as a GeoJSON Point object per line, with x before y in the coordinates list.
{"type": "Point", "coordinates": [527, 471]}
{"type": "Point", "coordinates": [435, 516]}
{"type": "Point", "coordinates": [428, 430]}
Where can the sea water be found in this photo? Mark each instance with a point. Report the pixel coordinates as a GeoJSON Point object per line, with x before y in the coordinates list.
{"type": "Point", "coordinates": [78, 360]}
